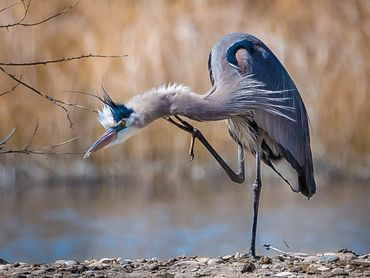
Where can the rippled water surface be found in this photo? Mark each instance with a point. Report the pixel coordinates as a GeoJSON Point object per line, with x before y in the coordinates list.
{"type": "Point", "coordinates": [46, 223]}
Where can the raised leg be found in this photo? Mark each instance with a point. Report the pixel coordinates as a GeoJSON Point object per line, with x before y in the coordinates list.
{"type": "Point", "coordinates": [256, 197]}
{"type": "Point", "coordinates": [237, 177]}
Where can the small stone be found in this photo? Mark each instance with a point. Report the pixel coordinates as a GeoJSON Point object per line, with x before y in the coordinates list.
{"type": "Point", "coordinates": [153, 267]}
{"type": "Point", "coordinates": [311, 259]}
{"type": "Point", "coordinates": [164, 274]}
{"type": "Point", "coordinates": [128, 268]}
{"type": "Point", "coordinates": [265, 260]}
{"type": "Point", "coordinates": [202, 260]}
{"type": "Point", "coordinates": [24, 265]}
{"type": "Point", "coordinates": [362, 257]}
{"type": "Point", "coordinates": [248, 267]}
{"type": "Point", "coordinates": [89, 273]}
{"type": "Point", "coordinates": [339, 271]}
{"type": "Point", "coordinates": [346, 256]}
{"type": "Point", "coordinates": [125, 261]}
{"type": "Point", "coordinates": [227, 257]}
{"type": "Point", "coordinates": [58, 275]}
{"type": "Point", "coordinates": [239, 255]}
{"type": "Point", "coordinates": [3, 267]}
{"type": "Point", "coordinates": [18, 275]}
{"type": "Point", "coordinates": [38, 272]}
{"type": "Point", "coordinates": [329, 258]}
{"type": "Point", "coordinates": [323, 268]}
{"type": "Point", "coordinates": [281, 258]}
{"type": "Point", "coordinates": [283, 274]}
{"type": "Point", "coordinates": [15, 264]}
{"type": "Point", "coordinates": [194, 269]}
{"type": "Point", "coordinates": [107, 260]}
{"type": "Point", "coordinates": [214, 261]}
{"type": "Point", "coordinates": [71, 263]}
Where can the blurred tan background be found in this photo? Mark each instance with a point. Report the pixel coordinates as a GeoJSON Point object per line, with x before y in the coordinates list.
{"type": "Point", "coordinates": [323, 44]}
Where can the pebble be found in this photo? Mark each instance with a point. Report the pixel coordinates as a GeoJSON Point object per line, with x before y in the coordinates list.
{"type": "Point", "coordinates": [202, 260]}
{"type": "Point", "coordinates": [18, 275]}
{"type": "Point", "coordinates": [3, 267]}
{"type": "Point", "coordinates": [227, 257]}
{"type": "Point", "coordinates": [329, 258]}
{"type": "Point", "coordinates": [323, 268]}
{"type": "Point", "coordinates": [194, 269]}
{"type": "Point", "coordinates": [38, 272]}
{"type": "Point", "coordinates": [265, 260]}
{"type": "Point", "coordinates": [67, 262]}
{"type": "Point", "coordinates": [339, 271]}
{"type": "Point", "coordinates": [346, 256]}
{"type": "Point", "coordinates": [311, 259]}
{"type": "Point", "coordinates": [239, 255]}
{"type": "Point", "coordinates": [125, 261]}
{"type": "Point", "coordinates": [153, 267]}
{"type": "Point", "coordinates": [248, 267]}
{"type": "Point", "coordinates": [283, 274]}
{"type": "Point", "coordinates": [363, 257]}
{"type": "Point", "coordinates": [214, 261]}
{"type": "Point", "coordinates": [107, 260]}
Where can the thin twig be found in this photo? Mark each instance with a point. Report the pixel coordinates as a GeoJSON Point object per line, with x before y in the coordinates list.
{"type": "Point", "coordinates": [59, 103]}
{"type": "Point", "coordinates": [74, 105]}
{"type": "Point", "coordinates": [20, 22]}
{"type": "Point", "coordinates": [12, 89]}
{"type": "Point", "coordinates": [83, 56]}
{"type": "Point", "coordinates": [6, 139]}
{"type": "Point", "coordinates": [33, 135]}
{"type": "Point", "coordinates": [11, 5]}
{"type": "Point", "coordinates": [28, 148]}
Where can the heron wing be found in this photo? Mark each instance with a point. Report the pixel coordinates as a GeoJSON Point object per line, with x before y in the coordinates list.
{"type": "Point", "coordinates": [251, 57]}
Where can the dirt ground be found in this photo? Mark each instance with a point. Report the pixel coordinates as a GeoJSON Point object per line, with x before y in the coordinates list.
{"type": "Point", "coordinates": [340, 264]}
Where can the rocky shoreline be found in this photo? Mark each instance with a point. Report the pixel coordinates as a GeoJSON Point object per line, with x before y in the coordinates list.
{"type": "Point", "coordinates": [340, 264]}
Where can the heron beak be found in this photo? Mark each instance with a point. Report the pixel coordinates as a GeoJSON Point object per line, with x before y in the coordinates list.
{"type": "Point", "coordinates": [102, 142]}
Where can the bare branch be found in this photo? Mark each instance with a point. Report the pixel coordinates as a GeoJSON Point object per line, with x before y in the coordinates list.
{"type": "Point", "coordinates": [57, 102]}
{"type": "Point", "coordinates": [33, 135]}
{"type": "Point", "coordinates": [21, 21]}
{"type": "Point", "coordinates": [83, 56]}
{"type": "Point", "coordinates": [12, 89]}
{"type": "Point", "coordinates": [11, 5]}
{"type": "Point", "coordinates": [28, 148]}
{"type": "Point", "coordinates": [6, 139]}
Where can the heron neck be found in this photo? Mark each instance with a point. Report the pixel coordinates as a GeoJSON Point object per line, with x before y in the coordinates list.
{"type": "Point", "coordinates": [175, 100]}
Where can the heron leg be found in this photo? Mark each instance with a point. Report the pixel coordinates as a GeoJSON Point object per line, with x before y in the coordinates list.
{"type": "Point", "coordinates": [237, 177]}
{"type": "Point", "coordinates": [256, 197]}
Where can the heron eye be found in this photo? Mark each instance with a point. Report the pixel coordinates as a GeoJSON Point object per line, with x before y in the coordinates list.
{"type": "Point", "coordinates": [122, 123]}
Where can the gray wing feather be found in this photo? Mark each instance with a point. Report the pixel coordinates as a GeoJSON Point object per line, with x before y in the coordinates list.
{"type": "Point", "coordinates": [252, 57]}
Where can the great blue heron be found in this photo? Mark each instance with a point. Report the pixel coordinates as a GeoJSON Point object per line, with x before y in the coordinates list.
{"type": "Point", "coordinates": [253, 92]}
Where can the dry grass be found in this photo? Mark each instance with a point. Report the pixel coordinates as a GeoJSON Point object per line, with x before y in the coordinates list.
{"type": "Point", "coordinates": [323, 44]}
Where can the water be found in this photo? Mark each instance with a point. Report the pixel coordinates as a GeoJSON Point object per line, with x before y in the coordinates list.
{"type": "Point", "coordinates": [46, 223]}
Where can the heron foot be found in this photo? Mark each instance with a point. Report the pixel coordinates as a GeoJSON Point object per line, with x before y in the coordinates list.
{"type": "Point", "coordinates": [252, 253]}
{"type": "Point", "coordinates": [184, 125]}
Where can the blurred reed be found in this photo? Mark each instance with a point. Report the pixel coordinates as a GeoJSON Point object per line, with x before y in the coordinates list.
{"type": "Point", "coordinates": [323, 44]}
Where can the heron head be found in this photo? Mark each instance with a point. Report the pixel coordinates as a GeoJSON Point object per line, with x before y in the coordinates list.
{"type": "Point", "coordinates": [120, 123]}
